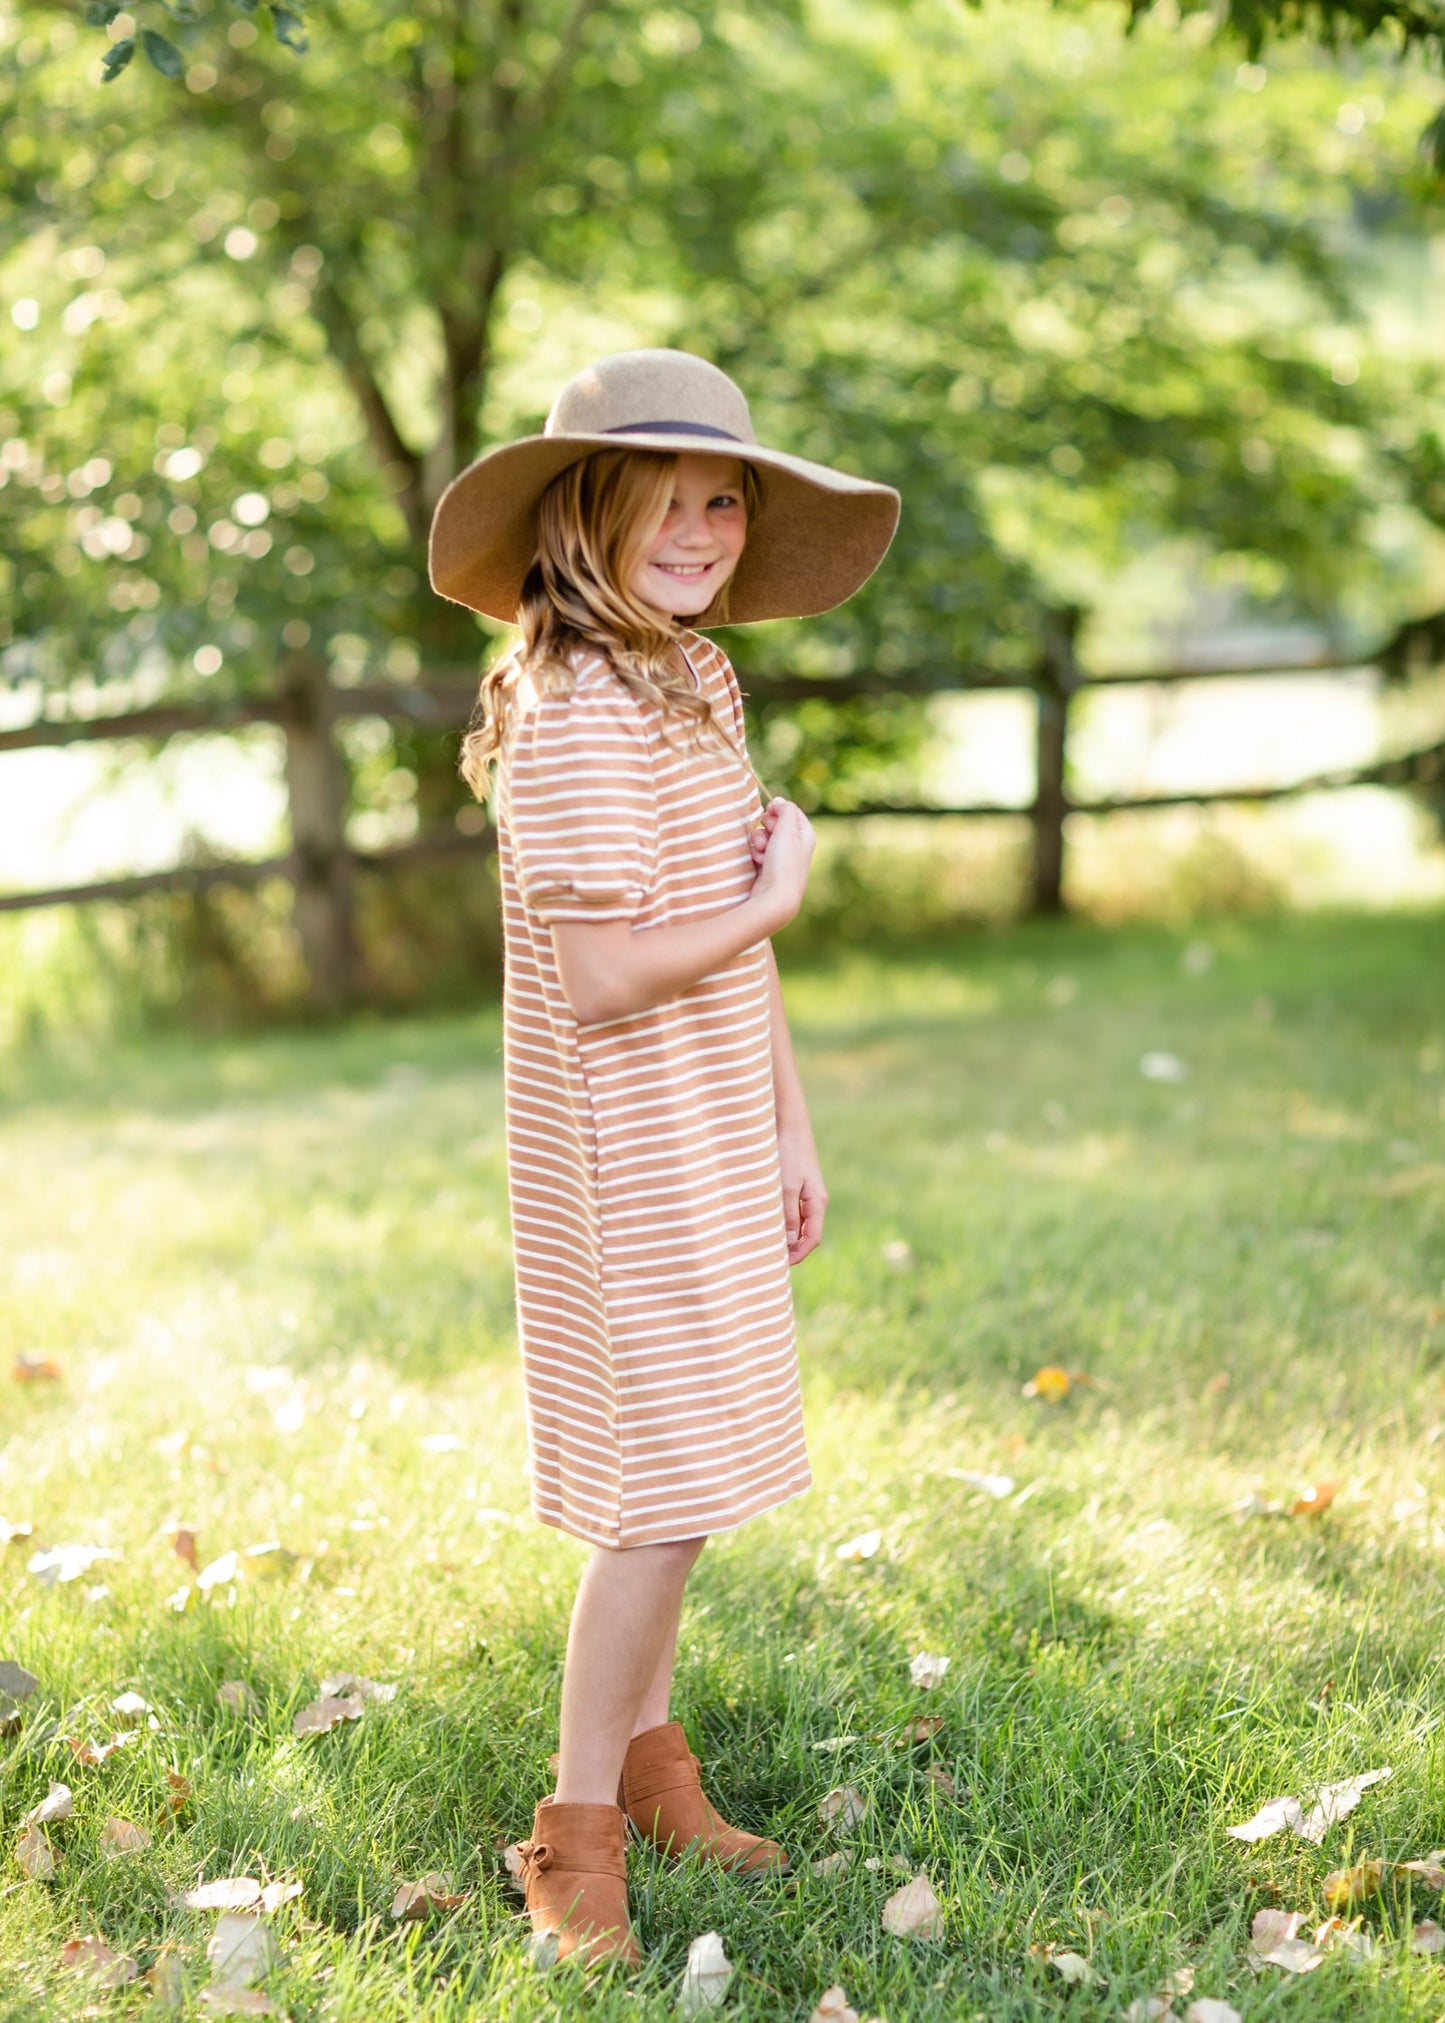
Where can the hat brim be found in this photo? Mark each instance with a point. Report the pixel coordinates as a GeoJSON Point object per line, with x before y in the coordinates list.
{"type": "Point", "coordinates": [819, 535]}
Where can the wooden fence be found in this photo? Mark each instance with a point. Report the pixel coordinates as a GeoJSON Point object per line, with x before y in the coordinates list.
{"type": "Point", "coordinates": [322, 865]}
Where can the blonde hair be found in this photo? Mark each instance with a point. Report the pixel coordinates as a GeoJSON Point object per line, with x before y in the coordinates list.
{"type": "Point", "coordinates": [595, 523]}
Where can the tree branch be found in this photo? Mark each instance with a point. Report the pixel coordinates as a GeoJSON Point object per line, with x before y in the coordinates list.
{"type": "Point", "coordinates": [336, 319]}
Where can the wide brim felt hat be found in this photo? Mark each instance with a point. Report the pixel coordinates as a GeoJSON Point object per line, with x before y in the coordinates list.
{"type": "Point", "coordinates": [818, 535]}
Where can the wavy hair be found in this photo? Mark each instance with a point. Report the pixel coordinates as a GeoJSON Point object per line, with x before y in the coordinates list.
{"type": "Point", "coordinates": [595, 523]}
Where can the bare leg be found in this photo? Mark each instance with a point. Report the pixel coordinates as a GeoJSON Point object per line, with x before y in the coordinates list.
{"type": "Point", "coordinates": [624, 1626]}
{"type": "Point", "coordinates": [657, 1700]}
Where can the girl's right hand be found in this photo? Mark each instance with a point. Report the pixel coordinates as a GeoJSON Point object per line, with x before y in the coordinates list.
{"type": "Point", "coordinates": [783, 874]}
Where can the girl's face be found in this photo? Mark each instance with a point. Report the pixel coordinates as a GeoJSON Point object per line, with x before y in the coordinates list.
{"type": "Point", "coordinates": [696, 549]}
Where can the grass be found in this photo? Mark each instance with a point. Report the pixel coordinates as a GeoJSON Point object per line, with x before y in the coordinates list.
{"type": "Point", "coordinates": [274, 1269]}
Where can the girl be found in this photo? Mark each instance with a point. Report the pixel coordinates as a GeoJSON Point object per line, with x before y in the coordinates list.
{"type": "Point", "coordinates": [661, 1164]}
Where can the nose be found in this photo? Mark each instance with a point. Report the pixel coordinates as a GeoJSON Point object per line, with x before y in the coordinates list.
{"type": "Point", "coordinates": [692, 530]}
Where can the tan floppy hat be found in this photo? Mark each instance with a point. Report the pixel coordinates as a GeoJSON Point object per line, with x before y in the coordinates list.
{"type": "Point", "coordinates": [819, 535]}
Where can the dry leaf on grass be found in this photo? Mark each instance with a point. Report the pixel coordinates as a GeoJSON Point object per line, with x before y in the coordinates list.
{"type": "Point", "coordinates": [923, 1729]}
{"type": "Point", "coordinates": [240, 1893]}
{"type": "Point", "coordinates": [235, 1694]}
{"type": "Point", "coordinates": [864, 1546]}
{"type": "Point", "coordinates": [167, 1979]}
{"type": "Point", "coordinates": [183, 1545]}
{"type": "Point", "coordinates": [1271, 1817]}
{"type": "Point", "coordinates": [98, 1962]}
{"type": "Point", "coordinates": [842, 1807]}
{"type": "Point", "coordinates": [35, 1855]}
{"type": "Point", "coordinates": [1073, 1966]}
{"type": "Point", "coordinates": [1147, 2009]}
{"type": "Point", "coordinates": [1310, 1502]}
{"type": "Point", "coordinates": [914, 1912]}
{"type": "Point", "coordinates": [1430, 1868]}
{"type": "Point", "coordinates": [56, 1804]}
{"type": "Point", "coordinates": [1052, 1383]}
{"type": "Point", "coordinates": [1427, 1937]}
{"type": "Point", "coordinates": [29, 1368]}
{"type": "Point", "coordinates": [833, 2007]}
{"type": "Point", "coordinates": [512, 1863]}
{"type": "Point", "coordinates": [1337, 1800]}
{"type": "Point", "coordinates": [936, 1774]}
{"type": "Point", "coordinates": [57, 1564]}
{"type": "Point", "coordinates": [927, 1669]}
{"type": "Point", "coordinates": [230, 1998]}
{"type": "Point", "coordinates": [1348, 1886]}
{"type": "Point", "coordinates": [122, 1836]}
{"type": "Point", "coordinates": [1273, 1943]}
{"type": "Point", "coordinates": [706, 1975]}
{"type": "Point", "coordinates": [324, 1715]}
{"type": "Point", "coordinates": [178, 1791]}
{"type": "Point", "coordinates": [834, 1864]}
{"type": "Point", "coordinates": [996, 1486]}
{"type": "Point", "coordinates": [1208, 2010]}
{"type": "Point", "coordinates": [1336, 1932]}
{"type": "Point", "coordinates": [130, 1709]}
{"type": "Point", "coordinates": [9, 1532]}
{"type": "Point", "coordinates": [352, 1686]}
{"type": "Point", "coordinates": [96, 1752]}
{"type": "Point", "coordinates": [15, 1682]}
{"type": "Point", "coordinates": [895, 1862]}
{"type": "Point", "coordinates": [242, 1949]}
{"type": "Point", "coordinates": [434, 1892]}
{"type": "Point", "coordinates": [219, 1572]}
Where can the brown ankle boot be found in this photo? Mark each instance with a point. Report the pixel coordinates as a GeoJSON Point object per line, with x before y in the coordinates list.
{"type": "Point", "coordinates": [664, 1800]}
{"type": "Point", "coordinates": [574, 1871]}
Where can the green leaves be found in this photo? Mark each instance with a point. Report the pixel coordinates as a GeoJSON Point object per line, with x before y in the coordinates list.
{"type": "Point", "coordinates": [290, 30]}
{"type": "Point", "coordinates": [116, 58]}
{"type": "Point", "coordinates": [164, 55]}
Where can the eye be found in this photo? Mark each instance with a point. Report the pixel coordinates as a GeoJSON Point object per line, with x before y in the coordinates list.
{"type": "Point", "coordinates": [725, 499]}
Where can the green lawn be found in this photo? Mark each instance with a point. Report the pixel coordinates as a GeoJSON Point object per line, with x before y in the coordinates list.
{"type": "Point", "coordinates": [274, 1270]}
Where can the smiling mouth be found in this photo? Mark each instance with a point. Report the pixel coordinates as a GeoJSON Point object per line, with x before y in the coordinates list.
{"type": "Point", "coordinates": [684, 568]}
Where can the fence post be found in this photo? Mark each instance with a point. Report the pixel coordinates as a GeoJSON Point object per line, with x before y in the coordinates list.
{"type": "Point", "coordinates": [316, 783]}
{"type": "Point", "coordinates": [1058, 678]}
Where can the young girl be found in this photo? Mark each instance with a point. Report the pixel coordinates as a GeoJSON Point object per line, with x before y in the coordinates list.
{"type": "Point", "coordinates": [662, 1169]}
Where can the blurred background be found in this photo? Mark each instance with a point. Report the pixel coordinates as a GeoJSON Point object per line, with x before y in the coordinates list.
{"type": "Point", "coordinates": [1143, 319]}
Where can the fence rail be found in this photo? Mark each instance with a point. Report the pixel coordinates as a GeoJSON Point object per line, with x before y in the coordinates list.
{"type": "Point", "coordinates": [322, 864]}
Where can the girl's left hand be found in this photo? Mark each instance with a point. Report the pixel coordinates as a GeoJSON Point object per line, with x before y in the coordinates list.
{"type": "Point", "coordinates": [758, 835]}
{"type": "Point", "coordinates": [805, 1198]}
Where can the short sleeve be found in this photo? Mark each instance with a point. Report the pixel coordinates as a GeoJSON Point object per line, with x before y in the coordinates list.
{"type": "Point", "coordinates": [580, 808]}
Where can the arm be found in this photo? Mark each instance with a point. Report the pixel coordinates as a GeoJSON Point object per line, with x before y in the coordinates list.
{"type": "Point", "coordinates": [805, 1198]}
{"type": "Point", "coordinates": [612, 970]}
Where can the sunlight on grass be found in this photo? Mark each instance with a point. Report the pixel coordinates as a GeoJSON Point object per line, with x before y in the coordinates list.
{"type": "Point", "coordinates": [276, 1279]}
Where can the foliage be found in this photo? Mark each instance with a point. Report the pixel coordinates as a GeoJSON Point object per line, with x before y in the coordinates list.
{"type": "Point", "coordinates": [1082, 297]}
{"type": "Point", "coordinates": [276, 1280]}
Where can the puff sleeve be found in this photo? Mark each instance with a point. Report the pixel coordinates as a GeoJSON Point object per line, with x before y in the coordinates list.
{"type": "Point", "coordinates": [580, 807]}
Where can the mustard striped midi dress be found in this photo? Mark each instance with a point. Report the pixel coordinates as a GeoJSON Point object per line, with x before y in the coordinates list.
{"type": "Point", "coordinates": [653, 1301]}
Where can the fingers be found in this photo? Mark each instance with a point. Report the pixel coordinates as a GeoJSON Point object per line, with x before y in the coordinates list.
{"type": "Point", "coordinates": [812, 1209]}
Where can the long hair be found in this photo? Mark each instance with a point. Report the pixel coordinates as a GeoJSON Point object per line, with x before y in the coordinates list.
{"type": "Point", "coordinates": [595, 523]}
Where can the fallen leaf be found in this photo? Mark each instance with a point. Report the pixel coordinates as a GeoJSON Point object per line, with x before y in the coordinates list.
{"type": "Point", "coordinates": [56, 1804]}
{"type": "Point", "coordinates": [1337, 1932]}
{"type": "Point", "coordinates": [836, 1742]}
{"type": "Point", "coordinates": [15, 1682]}
{"type": "Point", "coordinates": [35, 1855]}
{"type": "Point", "coordinates": [1073, 1966]}
{"type": "Point", "coordinates": [1208, 2010]}
{"type": "Point", "coordinates": [862, 1547]}
{"type": "Point", "coordinates": [167, 1980]}
{"type": "Point", "coordinates": [442, 1443]}
{"type": "Point", "coordinates": [1269, 1819]}
{"type": "Point", "coordinates": [1270, 1928]}
{"type": "Point", "coordinates": [1162, 1067]}
{"type": "Point", "coordinates": [226, 1893]}
{"type": "Point", "coordinates": [834, 1864]}
{"type": "Point", "coordinates": [1310, 1502]}
{"type": "Point", "coordinates": [1430, 1869]}
{"type": "Point", "coordinates": [1335, 1801]}
{"type": "Point", "coordinates": [1352, 1885]}
{"type": "Point", "coordinates": [61, 1563]}
{"type": "Point", "coordinates": [351, 1685]}
{"type": "Point", "coordinates": [1427, 1937]}
{"type": "Point", "coordinates": [1051, 1383]}
{"type": "Point", "coordinates": [98, 1962]}
{"type": "Point", "coordinates": [842, 1807]}
{"type": "Point", "coordinates": [554, 1765]}
{"type": "Point", "coordinates": [97, 1752]}
{"type": "Point", "coordinates": [241, 1949]}
{"type": "Point", "coordinates": [9, 1532]}
{"type": "Point", "coordinates": [278, 1893]}
{"type": "Point", "coordinates": [130, 1708]}
{"type": "Point", "coordinates": [833, 2007]}
{"type": "Point", "coordinates": [996, 1486]}
{"type": "Point", "coordinates": [512, 1863]}
{"type": "Point", "coordinates": [936, 1774]}
{"type": "Point", "coordinates": [228, 1998]}
{"type": "Point", "coordinates": [927, 1669]}
{"type": "Point", "coordinates": [235, 1694]}
{"type": "Point", "coordinates": [178, 1790]}
{"type": "Point", "coordinates": [29, 1368]}
{"type": "Point", "coordinates": [183, 1544]}
{"type": "Point", "coordinates": [895, 1862]}
{"type": "Point", "coordinates": [914, 1912]}
{"type": "Point", "coordinates": [706, 1975]}
{"type": "Point", "coordinates": [1148, 2009]}
{"type": "Point", "coordinates": [434, 1892]}
{"type": "Point", "coordinates": [1177, 1983]}
{"type": "Point", "coordinates": [324, 1715]}
{"type": "Point", "coordinates": [122, 1836]}
{"type": "Point", "coordinates": [1273, 1943]}
{"type": "Point", "coordinates": [923, 1729]}
{"type": "Point", "coordinates": [542, 1950]}
{"type": "Point", "coordinates": [218, 1572]}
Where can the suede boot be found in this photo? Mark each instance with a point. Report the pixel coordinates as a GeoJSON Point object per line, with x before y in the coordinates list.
{"type": "Point", "coordinates": [663, 1798]}
{"type": "Point", "coordinates": [574, 1871]}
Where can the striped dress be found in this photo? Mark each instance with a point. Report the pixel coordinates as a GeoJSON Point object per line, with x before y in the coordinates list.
{"type": "Point", "coordinates": [653, 1300]}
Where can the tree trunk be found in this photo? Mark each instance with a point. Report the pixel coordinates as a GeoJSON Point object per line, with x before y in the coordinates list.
{"type": "Point", "coordinates": [325, 900]}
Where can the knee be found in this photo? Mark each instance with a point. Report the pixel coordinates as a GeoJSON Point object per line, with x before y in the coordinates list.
{"type": "Point", "coordinates": [680, 1555]}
